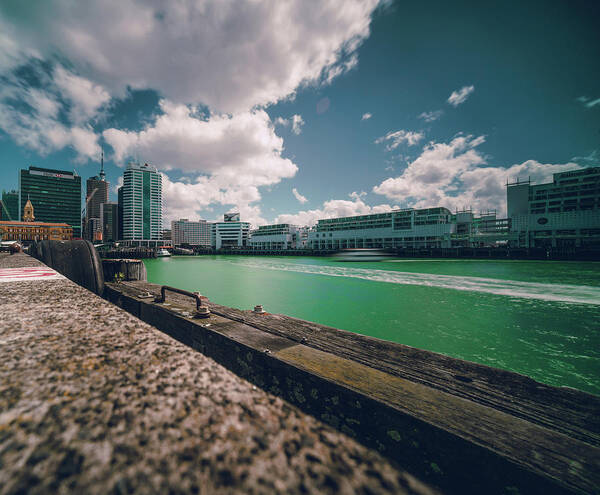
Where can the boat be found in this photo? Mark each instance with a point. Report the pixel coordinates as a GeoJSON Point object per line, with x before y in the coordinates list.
{"type": "Point", "coordinates": [364, 255]}
{"type": "Point", "coordinates": [162, 252]}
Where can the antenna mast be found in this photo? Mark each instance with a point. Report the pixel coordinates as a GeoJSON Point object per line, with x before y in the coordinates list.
{"type": "Point", "coordinates": [102, 174]}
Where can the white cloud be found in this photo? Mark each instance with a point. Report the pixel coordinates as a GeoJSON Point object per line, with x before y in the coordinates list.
{"type": "Point", "coordinates": [228, 156]}
{"type": "Point", "coordinates": [396, 138]}
{"type": "Point", "coordinates": [588, 102]}
{"type": "Point", "coordinates": [299, 196]}
{"type": "Point", "coordinates": [431, 116]}
{"type": "Point", "coordinates": [333, 208]}
{"type": "Point", "coordinates": [38, 126]}
{"type": "Point", "coordinates": [456, 175]}
{"type": "Point", "coordinates": [461, 95]}
{"type": "Point", "coordinates": [366, 116]}
{"type": "Point", "coordinates": [85, 97]}
{"type": "Point", "coordinates": [228, 55]}
{"type": "Point", "coordinates": [297, 123]}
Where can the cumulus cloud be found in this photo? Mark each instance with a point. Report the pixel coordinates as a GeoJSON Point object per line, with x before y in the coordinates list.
{"type": "Point", "coordinates": [456, 175]}
{"type": "Point", "coordinates": [366, 116]}
{"type": "Point", "coordinates": [460, 96]}
{"type": "Point", "coordinates": [298, 196]}
{"type": "Point", "coordinates": [332, 209]}
{"type": "Point", "coordinates": [431, 116]}
{"type": "Point", "coordinates": [396, 138]}
{"type": "Point", "coordinates": [228, 156]}
{"type": "Point", "coordinates": [31, 115]}
{"type": "Point", "coordinates": [85, 97]}
{"type": "Point", "coordinates": [228, 55]}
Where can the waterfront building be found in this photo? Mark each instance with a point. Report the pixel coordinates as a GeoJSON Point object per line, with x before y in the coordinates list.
{"type": "Point", "coordinates": [28, 230]}
{"type": "Point", "coordinates": [9, 205]}
{"type": "Point", "coordinates": [55, 194]}
{"type": "Point", "coordinates": [166, 235]}
{"type": "Point", "coordinates": [193, 233]}
{"type": "Point", "coordinates": [564, 213]}
{"type": "Point", "coordinates": [275, 237]}
{"type": "Point", "coordinates": [230, 233]}
{"type": "Point", "coordinates": [142, 203]}
{"type": "Point", "coordinates": [409, 228]}
{"type": "Point", "coordinates": [430, 227]}
{"type": "Point", "coordinates": [109, 221]}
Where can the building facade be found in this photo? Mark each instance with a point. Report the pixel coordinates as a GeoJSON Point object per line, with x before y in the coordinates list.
{"type": "Point", "coordinates": [9, 206]}
{"type": "Point", "coordinates": [109, 221]}
{"type": "Point", "coordinates": [55, 195]}
{"type": "Point", "coordinates": [193, 233]}
{"type": "Point", "coordinates": [29, 230]}
{"type": "Point", "coordinates": [230, 233]}
{"type": "Point", "coordinates": [564, 213]}
{"type": "Point", "coordinates": [96, 195]}
{"type": "Point", "coordinates": [142, 203]}
{"type": "Point", "coordinates": [277, 237]}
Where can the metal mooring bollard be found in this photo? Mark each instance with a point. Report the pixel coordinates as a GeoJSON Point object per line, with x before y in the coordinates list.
{"type": "Point", "coordinates": [259, 309]}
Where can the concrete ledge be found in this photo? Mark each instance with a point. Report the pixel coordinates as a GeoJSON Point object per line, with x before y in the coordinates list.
{"type": "Point", "coordinates": [464, 427]}
{"type": "Point", "coordinates": [93, 400]}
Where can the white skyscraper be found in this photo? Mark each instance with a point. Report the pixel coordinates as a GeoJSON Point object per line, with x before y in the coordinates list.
{"type": "Point", "coordinates": [142, 202]}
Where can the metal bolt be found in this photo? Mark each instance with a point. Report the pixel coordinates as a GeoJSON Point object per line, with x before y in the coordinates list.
{"type": "Point", "coordinates": [267, 351]}
{"type": "Point", "coordinates": [202, 312]}
{"type": "Point", "coordinates": [259, 309]}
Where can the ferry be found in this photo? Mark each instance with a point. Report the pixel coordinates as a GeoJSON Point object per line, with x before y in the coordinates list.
{"type": "Point", "coordinates": [162, 252]}
{"type": "Point", "coordinates": [364, 255]}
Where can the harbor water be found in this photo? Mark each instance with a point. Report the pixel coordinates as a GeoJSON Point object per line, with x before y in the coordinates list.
{"type": "Point", "coordinates": [541, 319]}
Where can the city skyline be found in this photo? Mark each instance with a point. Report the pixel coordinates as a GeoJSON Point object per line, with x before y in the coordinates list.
{"type": "Point", "coordinates": [371, 114]}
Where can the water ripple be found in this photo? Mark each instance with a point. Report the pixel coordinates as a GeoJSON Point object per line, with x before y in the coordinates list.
{"type": "Point", "coordinates": [578, 294]}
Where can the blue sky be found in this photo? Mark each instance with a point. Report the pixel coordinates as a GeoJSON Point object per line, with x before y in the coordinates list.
{"type": "Point", "coordinates": [297, 111]}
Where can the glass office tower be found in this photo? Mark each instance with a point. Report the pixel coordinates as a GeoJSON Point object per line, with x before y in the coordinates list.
{"type": "Point", "coordinates": [142, 202]}
{"type": "Point", "coordinates": [55, 195]}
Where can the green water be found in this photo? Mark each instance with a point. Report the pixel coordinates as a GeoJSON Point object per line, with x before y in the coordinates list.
{"type": "Point", "coordinates": [541, 319]}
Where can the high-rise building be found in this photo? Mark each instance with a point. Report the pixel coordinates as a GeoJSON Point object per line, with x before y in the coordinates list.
{"type": "Point", "coordinates": [120, 212]}
{"type": "Point", "coordinates": [55, 194]}
{"type": "Point", "coordinates": [142, 202]}
{"type": "Point", "coordinates": [109, 221]}
{"type": "Point", "coordinates": [9, 206]}
{"type": "Point", "coordinates": [193, 233]}
{"type": "Point", "coordinates": [96, 195]}
{"type": "Point", "coordinates": [229, 233]}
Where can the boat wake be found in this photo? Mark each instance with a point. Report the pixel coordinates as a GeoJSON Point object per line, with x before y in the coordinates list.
{"type": "Point", "coordinates": [578, 294]}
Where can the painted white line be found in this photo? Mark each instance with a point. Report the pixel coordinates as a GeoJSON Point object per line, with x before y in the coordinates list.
{"type": "Point", "coordinates": [27, 274]}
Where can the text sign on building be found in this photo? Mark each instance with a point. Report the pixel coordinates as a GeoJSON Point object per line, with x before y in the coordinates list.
{"type": "Point", "coordinates": [51, 174]}
{"type": "Point", "coordinates": [28, 273]}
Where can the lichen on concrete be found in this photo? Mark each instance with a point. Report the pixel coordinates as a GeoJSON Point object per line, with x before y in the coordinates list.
{"type": "Point", "coordinates": [93, 400]}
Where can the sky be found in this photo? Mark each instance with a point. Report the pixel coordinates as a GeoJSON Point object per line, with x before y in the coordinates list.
{"type": "Point", "coordinates": [293, 111]}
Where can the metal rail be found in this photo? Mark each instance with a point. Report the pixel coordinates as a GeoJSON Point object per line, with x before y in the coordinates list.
{"type": "Point", "coordinates": [165, 288]}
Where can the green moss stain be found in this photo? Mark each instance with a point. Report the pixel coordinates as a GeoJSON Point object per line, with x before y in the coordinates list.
{"type": "Point", "coordinates": [394, 435]}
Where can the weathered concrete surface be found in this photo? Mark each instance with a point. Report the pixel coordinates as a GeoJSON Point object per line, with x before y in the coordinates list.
{"type": "Point", "coordinates": [92, 400]}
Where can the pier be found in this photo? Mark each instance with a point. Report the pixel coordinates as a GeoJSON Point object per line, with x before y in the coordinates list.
{"type": "Point", "coordinates": [149, 367]}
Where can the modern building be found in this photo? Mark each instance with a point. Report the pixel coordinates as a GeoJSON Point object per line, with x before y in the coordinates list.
{"type": "Point", "coordinates": [409, 228]}
{"type": "Point", "coordinates": [277, 237]}
{"type": "Point", "coordinates": [430, 227]}
{"type": "Point", "coordinates": [564, 213]}
{"type": "Point", "coordinates": [9, 206]}
{"type": "Point", "coordinates": [28, 230]}
{"type": "Point", "coordinates": [109, 221]}
{"type": "Point", "coordinates": [193, 233]}
{"type": "Point", "coordinates": [55, 194]}
{"type": "Point", "coordinates": [96, 195]}
{"type": "Point", "coordinates": [142, 203]}
{"type": "Point", "coordinates": [230, 233]}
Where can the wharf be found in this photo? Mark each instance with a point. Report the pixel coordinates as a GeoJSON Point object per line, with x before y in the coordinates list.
{"type": "Point", "coordinates": [93, 400]}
